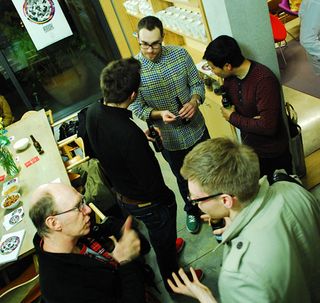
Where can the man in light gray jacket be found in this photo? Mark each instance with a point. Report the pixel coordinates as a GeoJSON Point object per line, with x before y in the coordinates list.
{"type": "Point", "coordinates": [272, 234]}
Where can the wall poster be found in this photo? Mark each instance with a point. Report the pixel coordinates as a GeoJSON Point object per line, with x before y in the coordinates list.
{"type": "Point", "coordinates": [44, 21]}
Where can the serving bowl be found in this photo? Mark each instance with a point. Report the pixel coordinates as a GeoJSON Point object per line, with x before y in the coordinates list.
{"type": "Point", "coordinates": [11, 201]}
{"type": "Point", "coordinates": [11, 186]}
{"type": "Point", "coordinates": [21, 144]}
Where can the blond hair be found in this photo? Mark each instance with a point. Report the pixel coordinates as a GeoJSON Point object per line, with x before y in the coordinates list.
{"type": "Point", "coordinates": [222, 165]}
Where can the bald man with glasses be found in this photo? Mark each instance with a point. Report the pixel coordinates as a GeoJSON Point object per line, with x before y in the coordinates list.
{"type": "Point", "coordinates": [75, 266]}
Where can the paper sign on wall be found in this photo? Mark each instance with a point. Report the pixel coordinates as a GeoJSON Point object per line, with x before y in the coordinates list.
{"type": "Point", "coordinates": [44, 21]}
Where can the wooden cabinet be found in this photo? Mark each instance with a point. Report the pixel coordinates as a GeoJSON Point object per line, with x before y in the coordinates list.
{"type": "Point", "coordinates": [216, 124]}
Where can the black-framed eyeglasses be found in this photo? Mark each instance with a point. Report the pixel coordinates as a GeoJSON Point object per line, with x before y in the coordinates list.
{"type": "Point", "coordinates": [154, 45]}
{"type": "Point", "coordinates": [80, 206]}
{"type": "Point", "coordinates": [198, 200]}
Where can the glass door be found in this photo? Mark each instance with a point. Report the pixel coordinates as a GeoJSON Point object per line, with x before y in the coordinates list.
{"type": "Point", "coordinates": [63, 76]}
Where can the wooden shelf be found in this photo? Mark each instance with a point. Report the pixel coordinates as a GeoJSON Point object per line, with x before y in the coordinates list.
{"type": "Point", "coordinates": [312, 177]}
{"type": "Point", "coordinates": [127, 25]}
{"type": "Point", "coordinates": [191, 4]}
{"type": "Point", "coordinates": [140, 16]}
{"type": "Point", "coordinates": [216, 124]}
{"type": "Point", "coordinates": [185, 35]}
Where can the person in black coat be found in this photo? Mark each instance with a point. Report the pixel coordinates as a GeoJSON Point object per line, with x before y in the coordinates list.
{"type": "Point", "coordinates": [73, 265]}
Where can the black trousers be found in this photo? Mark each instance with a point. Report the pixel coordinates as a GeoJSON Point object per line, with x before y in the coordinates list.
{"type": "Point", "coordinates": [269, 165]}
{"type": "Point", "coordinates": [175, 160]}
{"type": "Point", "coordinates": [161, 222]}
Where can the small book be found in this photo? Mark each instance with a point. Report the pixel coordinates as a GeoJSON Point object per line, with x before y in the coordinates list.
{"type": "Point", "coordinates": [10, 245]}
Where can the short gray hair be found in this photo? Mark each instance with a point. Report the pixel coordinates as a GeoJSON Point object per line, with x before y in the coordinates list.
{"type": "Point", "coordinates": [44, 207]}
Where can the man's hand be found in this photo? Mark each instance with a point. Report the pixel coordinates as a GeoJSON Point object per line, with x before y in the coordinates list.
{"type": "Point", "coordinates": [206, 218]}
{"type": "Point", "coordinates": [210, 220]}
{"type": "Point", "coordinates": [147, 133]}
{"type": "Point", "coordinates": [193, 289]}
{"type": "Point", "coordinates": [128, 247]}
{"type": "Point", "coordinates": [167, 116]}
{"type": "Point", "coordinates": [221, 230]}
{"type": "Point", "coordinates": [188, 109]}
{"type": "Point", "coordinates": [226, 112]}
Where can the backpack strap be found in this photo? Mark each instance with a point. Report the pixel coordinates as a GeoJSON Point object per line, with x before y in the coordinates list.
{"type": "Point", "coordinates": [278, 176]}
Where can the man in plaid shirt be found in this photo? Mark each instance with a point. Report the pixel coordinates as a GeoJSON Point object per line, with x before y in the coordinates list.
{"type": "Point", "coordinates": [170, 94]}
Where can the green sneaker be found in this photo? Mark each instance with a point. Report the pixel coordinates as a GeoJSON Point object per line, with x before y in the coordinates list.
{"type": "Point", "coordinates": [192, 224]}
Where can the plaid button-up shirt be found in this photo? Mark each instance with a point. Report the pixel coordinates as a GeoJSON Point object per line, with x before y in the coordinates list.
{"type": "Point", "coordinates": [172, 75]}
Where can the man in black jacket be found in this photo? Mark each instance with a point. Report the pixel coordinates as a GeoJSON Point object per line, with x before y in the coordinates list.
{"type": "Point", "coordinates": [75, 267]}
{"type": "Point", "coordinates": [130, 164]}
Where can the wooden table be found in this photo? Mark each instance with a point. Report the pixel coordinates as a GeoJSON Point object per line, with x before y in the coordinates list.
{"type": "Point", "coordinates": [48, 168]}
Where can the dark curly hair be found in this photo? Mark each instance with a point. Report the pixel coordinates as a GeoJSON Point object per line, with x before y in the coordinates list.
{"type": "Point", "coordinates": [150, 23]}
{"type": "Point", "coordinates": [119, 79]}
{"type": "Point", "coordinates": [222, 50]}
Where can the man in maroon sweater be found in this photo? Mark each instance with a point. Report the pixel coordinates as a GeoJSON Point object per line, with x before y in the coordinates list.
{"type": "Point", "coordinates": [254, 93]}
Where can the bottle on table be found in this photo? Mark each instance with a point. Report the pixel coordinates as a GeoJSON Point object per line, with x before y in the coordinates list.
{"type": "Point", "coordinates": [36, 145]}
{"type": "Point", "coordinates": [180, 105]}
{"type": "Point", "coordinates": [157, 143]}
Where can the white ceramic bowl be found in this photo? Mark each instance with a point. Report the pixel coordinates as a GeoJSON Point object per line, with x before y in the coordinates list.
{"type": "Point", "coordinates": [11, 201]}
{"type": "Point", "coordinates": [21, 144]}
{"type": "Point", "coordinates": [11, 186]}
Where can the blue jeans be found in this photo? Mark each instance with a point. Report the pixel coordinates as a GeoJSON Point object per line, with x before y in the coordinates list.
{"type": "Point", "coordinates": [175, 160]}
{"type": "Point", "coordinates": [160, 220]}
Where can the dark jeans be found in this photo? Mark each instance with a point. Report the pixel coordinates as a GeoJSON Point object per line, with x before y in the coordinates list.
{"type": "Point", "coordinates": [269, 165]}
{"type": "Point", "coordinates": [160, 220]}
{"type": "Point", "coordinates": [175, 160]}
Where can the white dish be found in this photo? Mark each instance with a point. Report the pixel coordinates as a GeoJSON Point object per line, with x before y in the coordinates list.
{"type": "Point", "coordinates": [21, 144]}
{"type": "Point", "coordinates": [15, 200]}
{"type": "Point", "coordinates": [11, 186]}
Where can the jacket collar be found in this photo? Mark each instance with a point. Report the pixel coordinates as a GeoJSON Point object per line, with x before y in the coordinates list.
{"type": "Point", "coordinates": [247, 213]}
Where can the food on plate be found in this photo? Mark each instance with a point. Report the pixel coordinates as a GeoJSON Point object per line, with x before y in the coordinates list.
{"type": "Point", "coordinates": [10, 186]}
{"type": "Point", "coordinates": [11, 199]}
{"type": "Point", "coordinates": [10, 190]}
